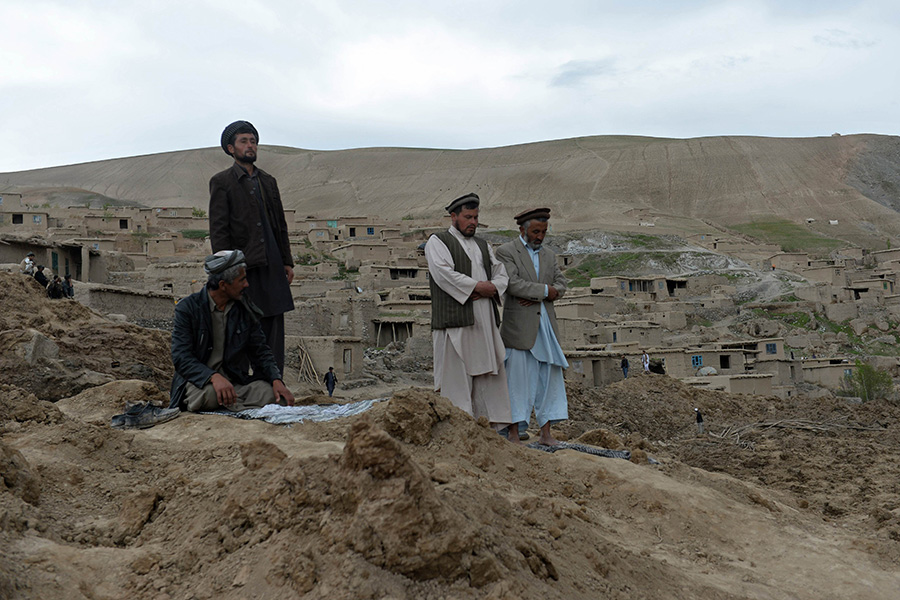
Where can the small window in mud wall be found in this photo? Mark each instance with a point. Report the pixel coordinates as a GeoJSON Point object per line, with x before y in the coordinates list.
{"type": "Point", "coordinates": [348, 357]}
{"type": "Point", "coordinates": [697, 361]}
{"type": "Point", "coordinates": [724, 361]}
{"type": "Point", "coordinates": [771, 348]}
{"type": "Point", "coordinates": [123, 223]}
{"type": "Point", "coordinates": [18, 219]}
{"type": "Point", "coordinates": [353, 232]}
{"type": "Point", "coordinates": [370, 231]}
{"type": "Point", "coordinates": [848, 373]}
{"type": "Point", "coordinates": [36, 218]}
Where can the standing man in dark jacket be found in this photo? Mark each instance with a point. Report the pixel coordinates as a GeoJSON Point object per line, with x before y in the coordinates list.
{"type": "Point", "coordinates": [216, 333]}
{"type": "Point", "coordinates": [330, 380]}
{"type": "Point", "coordinates": [246, 214]}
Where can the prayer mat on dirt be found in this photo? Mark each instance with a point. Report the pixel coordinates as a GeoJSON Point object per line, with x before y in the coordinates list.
{"type": "Point", "coordinates": [280, 415]}
{"type": "Point", "coordinates": [582, 448]}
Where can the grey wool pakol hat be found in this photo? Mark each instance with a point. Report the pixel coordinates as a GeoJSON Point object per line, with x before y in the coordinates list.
{"type": "Point", "coordinates": [467, 199]}
{"type": "Point", "coordinates": [222, 261]}
{"type": "Point", "coordinates": [235, 128]}
{"type": "Point", "coordinates": [532, 213]}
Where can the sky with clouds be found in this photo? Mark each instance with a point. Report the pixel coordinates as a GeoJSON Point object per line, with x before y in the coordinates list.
{"type": "Point", "coordinates": [99, 79]}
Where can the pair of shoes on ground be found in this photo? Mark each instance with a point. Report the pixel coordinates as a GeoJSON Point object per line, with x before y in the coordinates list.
{"type": "Point", "coordinates": [142, 415]}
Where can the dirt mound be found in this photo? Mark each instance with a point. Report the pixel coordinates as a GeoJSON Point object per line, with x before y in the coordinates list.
{"type": "Point", "coordinates": [57, 348]}
{"type": "Point", "coordinates": [414, 499]}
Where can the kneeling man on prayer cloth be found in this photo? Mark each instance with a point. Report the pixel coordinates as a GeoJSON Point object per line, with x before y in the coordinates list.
{"type": "Point", "coordinates": [467, 283]}
{"type": "Point", "coordinates": [215, 338]}
{"type": "Point", "coordinates": [534, 358]}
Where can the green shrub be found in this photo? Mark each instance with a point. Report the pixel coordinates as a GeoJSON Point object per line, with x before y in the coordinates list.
{"type": "Point", "coordinates": [870, 383]}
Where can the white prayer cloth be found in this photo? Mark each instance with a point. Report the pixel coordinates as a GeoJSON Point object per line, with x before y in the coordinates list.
{"type": "Point", "coordinates": [468, 361]}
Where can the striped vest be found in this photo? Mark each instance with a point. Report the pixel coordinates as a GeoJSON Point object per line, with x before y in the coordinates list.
{"type": "Point", "coordinates": [445, 310]}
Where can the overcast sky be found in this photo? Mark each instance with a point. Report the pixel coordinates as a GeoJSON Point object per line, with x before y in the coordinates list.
{"type": "Point", "coordinates": [99, 79]}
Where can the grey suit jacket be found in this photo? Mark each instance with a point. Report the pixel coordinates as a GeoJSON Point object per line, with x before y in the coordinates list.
{"type": "Point", "coordinates": [519, 327]}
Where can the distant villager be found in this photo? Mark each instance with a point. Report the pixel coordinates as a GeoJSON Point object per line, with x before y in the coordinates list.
{"type": "Point", "coordinates": [40, 277]}
{"type": "Point", "coordinates": [534, 358]}
{"type": "Point", "coordinates": [245, 213]}
{"type": "Point", "coordinates": [466, 284]}
{"type": "Point", "coordinates": [68, 286]}
{"type": "Point", "coordinates": [699, 421]}
{"type": "Point", "coordinates": [215, 335]}
{"type": "Point", "coordinates": [330, 380]}
{"type": "Point", "coordinates": [27, 264]}
{"type": "Point", "coordinates": [645, 361]}
{"type": "Point", "coordinates": [624, 367]}
{"type": "Point", "coordinates": [55, 289]}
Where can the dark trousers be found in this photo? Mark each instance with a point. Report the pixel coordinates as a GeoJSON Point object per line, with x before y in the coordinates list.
{"type": "Point", "coordinates": [273, 327]}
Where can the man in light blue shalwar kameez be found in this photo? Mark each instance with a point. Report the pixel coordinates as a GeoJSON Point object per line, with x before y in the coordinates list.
{"type": "Point", "coordinates": [534, 358]}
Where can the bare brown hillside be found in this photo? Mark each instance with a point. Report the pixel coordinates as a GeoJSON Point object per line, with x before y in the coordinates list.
{"type": "Point", "coordinates": [609, 181]}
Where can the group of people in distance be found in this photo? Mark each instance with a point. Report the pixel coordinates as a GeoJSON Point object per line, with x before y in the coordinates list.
{"type": "Point", "coordinates": [645, 362]}
{"type": "Point", "coordinates": [56, 287]}
{"type": "Point", "coordinates": [500, 370]}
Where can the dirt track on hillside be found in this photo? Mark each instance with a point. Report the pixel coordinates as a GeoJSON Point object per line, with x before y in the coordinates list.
{"type": "Point", "coordinates": [416, 500]}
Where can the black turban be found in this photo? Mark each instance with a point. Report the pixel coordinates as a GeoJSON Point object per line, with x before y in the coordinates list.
{"type": "Point", "coordinates": [235, 128]}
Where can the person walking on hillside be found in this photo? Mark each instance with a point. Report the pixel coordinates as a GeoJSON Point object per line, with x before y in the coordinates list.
{"type": "Point", "coordinates": [534, 359]}
{"type": "Point", "coordinates": [699, 421]}
{"type": "Point", "coordinates": [467, 282]}
{"type": "Point", "coordinates": [330, 380]}
{"type": "Point", "coordinates": [645, 361]}
{"type": "Point", "coordinates": [246, 214]}
{"type": "Point", "coordinates": [624, 365]}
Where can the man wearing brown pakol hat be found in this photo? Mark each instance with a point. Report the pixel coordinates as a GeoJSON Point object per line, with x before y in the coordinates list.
{"type": "Point", "coordinates": [216, 332]}
{"type": "Point", "coordinates": [534, 359]}
{"type": "Point", "coordinates": [467, 282]}
{"type": "Point", "coordinates": [245, 213]}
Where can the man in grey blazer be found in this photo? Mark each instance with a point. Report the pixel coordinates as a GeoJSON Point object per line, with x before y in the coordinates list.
{"type": "Point", "coordinates": [534, 359]}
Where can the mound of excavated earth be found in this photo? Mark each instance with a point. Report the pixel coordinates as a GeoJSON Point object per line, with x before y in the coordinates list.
{"type": "Point", "coordinates": [57, 348]}
{"type": "Point", "coordinates": [413, 499]}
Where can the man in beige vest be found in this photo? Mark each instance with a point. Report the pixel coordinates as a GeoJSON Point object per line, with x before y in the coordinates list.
{"type": "Point", "coordinates": [467, 282]}
{"type": "Point", "coordinates": [534, 359]}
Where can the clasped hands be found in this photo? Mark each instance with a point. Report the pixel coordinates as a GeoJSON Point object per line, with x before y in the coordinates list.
{"type": "Point", "coordinates": [483, 289]}
{"type": "Point", "coordinates": [552, 295]}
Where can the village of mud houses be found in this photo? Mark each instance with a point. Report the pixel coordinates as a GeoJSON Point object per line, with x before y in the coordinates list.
{"type": "Point", "coordinates": [756, 277]}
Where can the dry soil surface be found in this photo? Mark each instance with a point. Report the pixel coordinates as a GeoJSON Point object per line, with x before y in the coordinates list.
{"type": "Point", "coordinates": [414, 499]}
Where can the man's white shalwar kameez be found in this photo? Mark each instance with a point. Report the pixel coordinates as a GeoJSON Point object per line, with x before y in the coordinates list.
{"type": "Point", "coordinates": [468, 361]}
